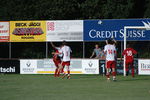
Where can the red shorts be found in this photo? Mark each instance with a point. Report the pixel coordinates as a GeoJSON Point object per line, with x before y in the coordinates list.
{"type": "Point", "coordinates": [110, 64]}
{"type": "Point", "coordinates": [57, 62]}
{"type": "Point", "coordinates": [67, 63]}
{"type": "Point", "coordinates": [129, 63]}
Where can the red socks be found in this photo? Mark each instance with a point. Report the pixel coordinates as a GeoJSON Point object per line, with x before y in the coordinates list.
{"type": "Point", "coordinates": [56, 70]}
{"type": "Point", "coordinates": [108, 75]}
{"type": "Point", "coordinates": [68, 72]}
{"type": "Point", "coordinates": [114, 73]}
{"type": "Point", "coordinates": [132, 72]}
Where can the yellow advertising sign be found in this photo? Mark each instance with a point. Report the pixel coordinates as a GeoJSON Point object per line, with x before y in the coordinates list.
{"type": "Point", "coordinates": [27, 31]}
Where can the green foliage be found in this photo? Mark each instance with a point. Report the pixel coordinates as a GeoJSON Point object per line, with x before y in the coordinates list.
{"type": "Point", "coordinates": [147, 9]}
{"type": "Point", "coordinates": [73, 9]}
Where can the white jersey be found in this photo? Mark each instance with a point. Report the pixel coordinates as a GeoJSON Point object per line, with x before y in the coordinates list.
{"type": "Point", "coordinates": [65, 50]}
{"type": "Point", "coordinates": [110, 51]}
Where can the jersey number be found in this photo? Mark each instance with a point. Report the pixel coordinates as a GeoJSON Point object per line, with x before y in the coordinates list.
{"type": "Point", "coordinates": [110, 51]}
{"type": "Point", "coordinates": [67, 54]}
{"type": "Point", "coordinates": [129, 53]}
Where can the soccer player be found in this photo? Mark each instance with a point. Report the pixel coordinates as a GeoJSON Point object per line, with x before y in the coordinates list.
{"type": "Point", "coordinates": [97, 52]}
{"type": "Point", "coordinates": [110, 52]}
{"type": "Point", "coordinates": [66, 50]}
{"type": "Point", "coordinates": [129, 59]}
{"type": "Point", "coordinates": [56, 59]}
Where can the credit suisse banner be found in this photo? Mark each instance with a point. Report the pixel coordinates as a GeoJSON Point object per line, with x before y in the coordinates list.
{"type": "Point", "coordinates": [71, 30]}
{"type": "Point", "coordinates": [4, 31]}
{"type": "Point", "coordinates": [27, 31]}
{"type": "Point", "coordinates": [99, 30]}
{"type": "Point", "coordinates": [144, 66]}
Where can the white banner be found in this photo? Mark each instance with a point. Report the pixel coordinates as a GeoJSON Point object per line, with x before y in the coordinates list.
{"type": "Point", "coordinates": [47, 66]}
{"type": "Point", "coordinates": [71, 30]}
{"type": "Point", "coordinates": [144, 66]}
{"type": "Point", "coordinates": [28, 66]}
{"type": "Point", "coordinates": [4, 31]}
{"type": "Point", "coordinates": [90, 66]}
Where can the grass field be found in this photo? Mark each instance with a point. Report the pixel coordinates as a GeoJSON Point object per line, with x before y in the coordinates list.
{"type": "Point", "coordinates": [79, 87]}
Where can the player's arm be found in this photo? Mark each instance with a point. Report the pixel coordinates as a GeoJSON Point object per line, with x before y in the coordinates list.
{"type": "Point", "coordinates": [92, 54]}
{"type": "Point", "coordinates": [70, 50]}
{"type": "Point", "coordinates": [105, 50]}
{"type": "Point", "coordinates": [57, 53]}
{"type": "Point", "coordinates": [134, 51]}
{"type": "Point", "coordinates": [115, 42]}
{"type": "Point", "coordinates": [53, 45]}
{"type": "Point", "coordinates": [53, 53]}
{"type": "Point", "coordinates": [115, 51]}
{"type": "Point", "coordinates": [123, 53]}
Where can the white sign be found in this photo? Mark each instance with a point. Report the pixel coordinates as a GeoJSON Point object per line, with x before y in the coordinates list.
{"type": "Point", "coordinates": [47, 66]}
{"type": "Point", "coordinates": [144, 66]}
{"type": "Point", "coordinates": [71, 30]}
{"type": "Point", "coordinates": [4, 31]}
{"type": "Point", "coordinates": [28, 66]}
{"type": "Point", "coordinates": [76, 66]}
{"type": "Point", "coordinates": [90, 66]}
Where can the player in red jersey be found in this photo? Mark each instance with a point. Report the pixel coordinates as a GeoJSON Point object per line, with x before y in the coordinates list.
{"type": "Point", "coordinates": [129, 59]}
{"type": "Point", "coordinates": [110, 52]}
{"type": "Point", "coordinates": [57, 59]}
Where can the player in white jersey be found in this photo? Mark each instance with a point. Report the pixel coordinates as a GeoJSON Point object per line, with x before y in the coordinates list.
{"type": "Point", "coordinates": [66, 50]}
{"type": "Point", "coordinates": [110, 52]}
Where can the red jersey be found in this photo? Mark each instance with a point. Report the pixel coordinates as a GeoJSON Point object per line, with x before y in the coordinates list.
{"type": "Point", "coordinates": [129, 53]}
{"type": "Point", "coordinates": [56, 57]}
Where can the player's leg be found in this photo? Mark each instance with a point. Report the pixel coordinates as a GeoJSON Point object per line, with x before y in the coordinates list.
{"type": "Point", "coordinates": [63, 65]}
{"type": "Point", "coordinates": [68, 68]}
{"type": "Point", "coordinates": [127, 68]}
{"type": "Point", "coordinates": [114, 74]}
{"type": "Point", "coordinates": [62, 71]}
{"type": "Point", "coordinates": [114, 70]}
{"type": "Point", "coordinates": [60, 68]}
{"type": "Point", "coordinates": [107, 70]}
{"type": "Point", "coordinates": [132, 69]}
{"type": "Point", "coordinates": [68, 72]}
{"type": "Point", "coordinates": [56, 70]}
{"type": "Point", "coordinates": [108, 73]}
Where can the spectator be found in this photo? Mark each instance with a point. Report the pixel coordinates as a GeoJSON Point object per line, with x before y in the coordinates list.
{"type": "Point", "coordinates": [98, 52]}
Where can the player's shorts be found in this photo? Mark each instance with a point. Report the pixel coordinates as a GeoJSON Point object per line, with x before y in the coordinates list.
{"type": "Point", "coordinates": [67, 63]}
{"type": "Point", "coordinates": [57, 62]}
{"type": "Point", "coordinates": [110, 64]}
{"type": "Point", "coordinates": [129, 63]}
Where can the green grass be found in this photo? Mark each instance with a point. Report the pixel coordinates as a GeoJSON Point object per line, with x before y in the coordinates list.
{"type": "Point", "coordinates": [79, 87]}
